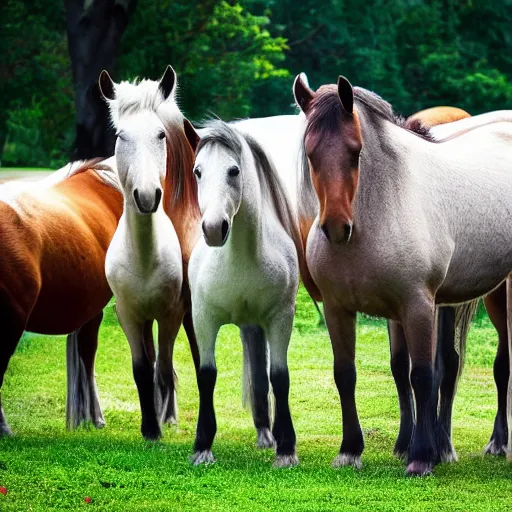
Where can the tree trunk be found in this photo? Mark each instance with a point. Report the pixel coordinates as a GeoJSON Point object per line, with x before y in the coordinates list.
{"type": "Point", "coordinates": [94, 30]}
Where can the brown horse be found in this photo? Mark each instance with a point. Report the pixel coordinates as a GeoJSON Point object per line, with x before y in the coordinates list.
{"type": "Point", "coordinates": [451, 360]}
{"type": "Point", "coordinates": [55, 235]}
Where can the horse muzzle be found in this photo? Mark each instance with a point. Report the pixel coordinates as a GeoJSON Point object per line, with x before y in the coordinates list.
{"type": "Point", "coordinates": [215, 233]}
{"type": "Point", "coordinates": [147, 202]}
{"type": "Point", "coordinates": [338, 232]}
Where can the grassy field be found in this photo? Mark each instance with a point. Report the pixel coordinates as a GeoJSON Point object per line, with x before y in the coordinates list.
{"type": "Point", "coordinates": [46, 468]}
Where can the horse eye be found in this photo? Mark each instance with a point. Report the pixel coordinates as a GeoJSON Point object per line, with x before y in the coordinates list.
{"type": "Point", "coordinates": [233, 171]}
{"type": "Point", "coordinates": [197, 172]}
{"type": "Point", "coordinates": [161, 135]}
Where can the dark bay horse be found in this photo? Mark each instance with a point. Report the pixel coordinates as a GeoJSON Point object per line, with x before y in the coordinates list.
{"type": "Point", "coordinates": [404, 225]}
{"type": "Point", "coordinates": [55, 234]}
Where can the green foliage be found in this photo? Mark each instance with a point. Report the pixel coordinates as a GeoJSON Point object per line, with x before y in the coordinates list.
{"type": "Point", "coordinates": [45, 468]}
{"type": "Point", "coordinates": [238, 58]}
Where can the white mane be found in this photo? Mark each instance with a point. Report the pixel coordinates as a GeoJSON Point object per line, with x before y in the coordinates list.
{"type": "Point", "coordinates": [137, 96]}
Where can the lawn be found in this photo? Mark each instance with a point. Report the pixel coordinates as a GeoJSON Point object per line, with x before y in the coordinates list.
{"type": "Point", "coordinates": [46, 468]}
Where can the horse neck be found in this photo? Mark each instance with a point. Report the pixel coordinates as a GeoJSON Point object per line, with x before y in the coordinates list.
{"type": "Point", "coordinates": [383, 169]}
{"type": "Point", "coordinates": [142, 234]}
{"type": "Point", "coordinates": [247, 224]}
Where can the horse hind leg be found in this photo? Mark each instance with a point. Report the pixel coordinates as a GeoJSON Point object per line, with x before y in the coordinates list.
{"type": "Point", "coordinates": [82, 404]}
{"type": "Point", "coordinates": [496, 306]}
{"type": "Point", "coordinates": [11, 328]}
{"type": "Point", "coordinates": [256, 382]}
{"type": "Point", "coordinates": [165, 375]}
{"type": "Point", "coordinates": [401, 369]}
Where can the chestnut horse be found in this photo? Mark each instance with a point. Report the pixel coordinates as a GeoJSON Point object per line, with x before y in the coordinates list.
{"type": "Point", "coordinates": [145, 265]}
{"type": "Point", "coordinates": [397, 235]}
{"type": "Point", "coordinates": [55, 234]}
{"type": "Point", "coordinates": [451, 360]}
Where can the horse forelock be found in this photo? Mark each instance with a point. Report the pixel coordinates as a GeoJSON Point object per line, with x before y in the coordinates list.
{"type": "Point", "coordinates": [137, 96]}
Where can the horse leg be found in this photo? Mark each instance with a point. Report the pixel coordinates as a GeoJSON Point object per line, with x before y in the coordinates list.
{"type": "Point", "coordinates": [401, 369]}
{"type": "Point", "coordinates": [509, 390]}
{"type": "Point", "coordinates": [82, 402]}
{"type": "Point", "coordinates": [11, 327]}
{"type": "Point", "coordinates": [165, 376]}
{"type": "Point", "coordinates": [206, 377]}
{"type": "Point", "coordinates": [143, 370]}
{"type": "Point", "coordinates": [447, 368]}
{"type": "Point", "coordinates": [256, 383]}
{"type": "Point", "coordinates": [191, 336]}
{"type": "Point", "coordinates": [341, 325]}
{"type": "Point", "coordinates": [421, 342]}
{"type": "Point", "coordinates": [496, 306]}
{"type": "Point", "coordinates": [278, 333]}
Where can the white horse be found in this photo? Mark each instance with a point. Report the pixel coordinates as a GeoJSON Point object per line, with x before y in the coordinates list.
{"type": "Point", "coordinates": [144, 261]}
{"type": "Point", "coordinates": [244, 271]}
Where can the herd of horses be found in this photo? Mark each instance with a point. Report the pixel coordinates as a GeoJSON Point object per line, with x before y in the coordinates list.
{"type": "Point", "coordinates": [407, 219]}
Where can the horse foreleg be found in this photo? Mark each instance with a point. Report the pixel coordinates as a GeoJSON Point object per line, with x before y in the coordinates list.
{"type": "Point", "coordinates": [509, 391]}
{"type": "Point", "coordinates": [401, 369]}
{"type": "Point", "coordinates": [496, 306]}
{"type": "Point", "coordinates": [165, 376]}
{"type": "Point", "coordinates": [418, 325]}
{"type": "Point", "coordinates": [206, 332]}
{"type": "Point", "coordinates": [82, 404]}
{"type": "Point", "coordinates": [143, 370]}
{"type": "Point", "coordinates": [341, 325]}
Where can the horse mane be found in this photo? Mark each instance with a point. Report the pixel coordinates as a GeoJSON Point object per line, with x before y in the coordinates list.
{"type": "Point", "coordinates": [272, 189]}
{"type": "Point", "coordinates": [179, 176]}
{"type": "Point", "coordinates": [324, 119]}
{"type": "Point", "coordinates": [104, 170]}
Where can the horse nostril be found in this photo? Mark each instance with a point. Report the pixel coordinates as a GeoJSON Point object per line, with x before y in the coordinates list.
{"type": "Point", "coordinates": [158, 197]}
{"type": "Point", "coordinates": [203, 227]}
{"type": "Point", "coordinates": [136, 196]}
{"type": "Point", "coordinates": [325, 230]}
{"type": "Point", "coordinates": [348, 231]}
{"type": "Point", "coordinates": [224, 230]}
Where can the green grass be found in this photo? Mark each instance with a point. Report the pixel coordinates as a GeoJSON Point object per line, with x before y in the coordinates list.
{"type": "Point", "coordinates": [46, 468]}
{"type": "Point", "coordinates": [23, 169]}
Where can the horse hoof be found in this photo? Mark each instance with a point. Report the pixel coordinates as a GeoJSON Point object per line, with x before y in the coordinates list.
{"type": "Point", "coordinates": [449, 456]}
{"type": "Point", "coordinates": [265, 439]}
{"type": "Point", "coordinates": [5, 431]}
{"type": "Point", "coordinates": [419, 468]}
{"type": "Point", "coordinates": [151, 434]}
{"type": "Point", "coordinates": [99, 423]}
{"type": "Point", "coordinates": [496, 449]}
{"type": "Point", "coordinates": [204, 457]}
{"type": "Point", "coordinates": [400, 455]}
{"type": "Point", "coordinates": [286, 461]}
{"type": "Point", "coordinates": [347, 459]}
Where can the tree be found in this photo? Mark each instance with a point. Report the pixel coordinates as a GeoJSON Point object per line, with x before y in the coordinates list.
{"type": "Point", "coordinates": [94, 29]}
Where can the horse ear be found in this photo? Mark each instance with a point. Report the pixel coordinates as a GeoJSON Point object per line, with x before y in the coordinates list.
{"type": "Point", "coordinates": [107, 86]}
{"type": "Point", "coordinates": [346, 94]}
{"type": "Point", "coordinates": [303, 94]}
{"type": "Point", "coordinates": [168, 82]}
{"type": "Point", "coordinates": [191, 134]}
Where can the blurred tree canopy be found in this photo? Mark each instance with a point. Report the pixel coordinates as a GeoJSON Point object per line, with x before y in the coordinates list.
{"type": "Point", "coordinates": [238, 59]}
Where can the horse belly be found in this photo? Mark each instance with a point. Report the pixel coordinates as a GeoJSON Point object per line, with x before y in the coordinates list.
{"type": "Point", "coordinates": [74, 289]}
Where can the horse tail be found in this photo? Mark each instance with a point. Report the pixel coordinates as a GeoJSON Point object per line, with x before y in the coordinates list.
{"type": "Point", "coordinates": [463, 316]}
{"type": "Point", "coordinates": [77, 400]}
{"type": "Point", "coordinates": [255, 370]}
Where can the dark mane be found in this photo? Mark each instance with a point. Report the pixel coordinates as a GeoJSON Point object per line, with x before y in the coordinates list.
{"type": "Point", "coordinates": [327, 112]}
